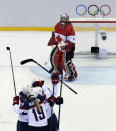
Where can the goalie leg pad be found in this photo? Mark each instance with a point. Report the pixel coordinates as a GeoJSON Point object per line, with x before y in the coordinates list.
{"type": "Point", "coordinates": [68, 67]}
{"type": "Point", "coordinates": [71, 72]}
{"type": "Point", "coordinates": [55, 60]}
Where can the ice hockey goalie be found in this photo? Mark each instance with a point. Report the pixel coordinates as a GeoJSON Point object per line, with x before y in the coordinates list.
{"type": "Point", "coordinates": [63, 39]}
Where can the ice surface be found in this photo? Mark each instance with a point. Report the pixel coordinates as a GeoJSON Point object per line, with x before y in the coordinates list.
{"type": "Point", "coordinates": [93, 109]}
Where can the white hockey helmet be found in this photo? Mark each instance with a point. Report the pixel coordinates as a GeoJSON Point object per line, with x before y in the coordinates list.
{"type": "Point", "coordinates": [25, 90]}
{"type": "Point", "coordinates": [34, 92]}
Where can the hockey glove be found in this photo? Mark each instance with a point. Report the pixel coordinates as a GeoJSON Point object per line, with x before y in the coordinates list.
{"type": "Point", "coordinates": [59, 100]}
{"type": "Point", "coordinates": [51, 100]}
{"type": "Point", "coordinates": [16, 100]}
{"type": "Point", "coordinates": [54, 78]}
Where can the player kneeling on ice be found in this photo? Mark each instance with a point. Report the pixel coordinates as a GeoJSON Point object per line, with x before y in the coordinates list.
{"type": "Point", "coordinates": [52, 119]}
{"type": "Point", "coordinates": [21, 107]}
{"type": "Point", "coordinates": [63, 38]}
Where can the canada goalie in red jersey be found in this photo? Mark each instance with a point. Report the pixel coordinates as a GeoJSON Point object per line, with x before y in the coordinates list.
{"type": "Point", "coordinates": [61, 56]}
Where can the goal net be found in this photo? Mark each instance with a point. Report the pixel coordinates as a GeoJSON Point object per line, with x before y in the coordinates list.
{"type": "Point", "coordinates": [95, 36]}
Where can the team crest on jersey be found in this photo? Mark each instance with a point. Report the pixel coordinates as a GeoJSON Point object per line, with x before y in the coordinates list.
{"type": "Point", "coordinates": [59, 39]}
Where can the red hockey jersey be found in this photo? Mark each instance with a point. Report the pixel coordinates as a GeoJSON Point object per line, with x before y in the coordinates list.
{"type": "Point", "coordinates": [62, 34]}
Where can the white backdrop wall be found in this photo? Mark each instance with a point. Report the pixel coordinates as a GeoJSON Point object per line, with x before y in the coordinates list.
{"type": "Point", "coordinates": [42, 13]}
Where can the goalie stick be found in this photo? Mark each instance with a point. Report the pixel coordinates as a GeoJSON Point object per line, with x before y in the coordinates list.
{"type": "Point", "coordinates": [32, 60]}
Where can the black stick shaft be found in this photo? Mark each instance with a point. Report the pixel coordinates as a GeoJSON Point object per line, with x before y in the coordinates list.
{"type": "Point", "coordinates": [51, 126]}
{"type": "Point", "coordinates": [12, 71]}
{"type": "Point", "coordinates": [60, 96]}
{"type": "Point", "coordinates": [41, 66]}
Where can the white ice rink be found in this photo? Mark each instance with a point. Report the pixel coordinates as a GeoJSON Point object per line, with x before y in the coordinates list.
{"type": "Point", "coordinates": [93, 109]}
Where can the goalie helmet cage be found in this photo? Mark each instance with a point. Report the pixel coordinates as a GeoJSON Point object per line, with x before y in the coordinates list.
{"type": "Point", "coordinates": [98, 39]}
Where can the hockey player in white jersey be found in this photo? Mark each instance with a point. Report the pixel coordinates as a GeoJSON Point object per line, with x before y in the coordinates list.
{"type": "Point", "coordinates": [20, 108]}
{"type": "Point", "coordinates": [37, 117]}
{"type": "Point", "coordinates": [52, 119]}
{"type": "Point", "coordinates": [30, 118]}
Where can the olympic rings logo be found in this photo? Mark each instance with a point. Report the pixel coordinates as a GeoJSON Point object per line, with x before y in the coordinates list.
{"type": "Point", "coordinates": [93, 10]}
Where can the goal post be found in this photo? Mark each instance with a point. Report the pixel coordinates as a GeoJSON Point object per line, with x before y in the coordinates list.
{"type": "Point", "coordinates": [95, 47]}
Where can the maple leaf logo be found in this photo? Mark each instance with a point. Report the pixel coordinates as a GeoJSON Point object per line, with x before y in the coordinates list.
{"type": "Point", "coordinates": [59, 39]}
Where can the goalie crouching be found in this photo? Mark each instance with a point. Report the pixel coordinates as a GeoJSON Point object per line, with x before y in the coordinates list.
{"type": "Point", "coordinates": [63, 38]}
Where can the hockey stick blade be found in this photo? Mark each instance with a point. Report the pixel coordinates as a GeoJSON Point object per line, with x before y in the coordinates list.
{"type": "Point", "coordinates": [7, 48]}
{"type": "Point", "coordinates": [26, 61]}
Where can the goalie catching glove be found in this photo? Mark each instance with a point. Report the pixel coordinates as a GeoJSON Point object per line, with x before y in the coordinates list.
{"type": "Point", "coordinates": [65, 46]}
{"type": "Point", "coordinates": [61, 46]}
